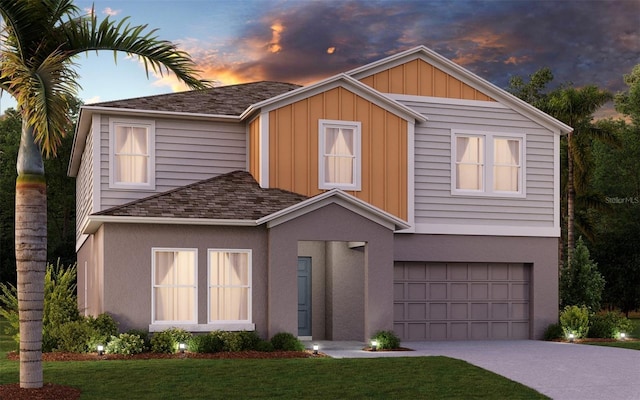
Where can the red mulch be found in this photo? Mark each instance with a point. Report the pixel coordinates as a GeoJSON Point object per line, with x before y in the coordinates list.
{"type": "Point", "coordinates": [51, 391]}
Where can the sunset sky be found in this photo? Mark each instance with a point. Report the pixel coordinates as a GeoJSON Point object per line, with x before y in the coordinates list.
{"type": "Point", "coordinates": [302, 41]}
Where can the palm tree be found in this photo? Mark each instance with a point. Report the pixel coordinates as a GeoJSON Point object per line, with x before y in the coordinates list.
{"type": "Point", "coordinates": [40, 41]}
{"type": "Point", "coordinates": [575, 107]}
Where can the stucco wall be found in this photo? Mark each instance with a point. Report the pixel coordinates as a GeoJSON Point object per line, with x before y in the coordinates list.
{"type": "Point", "coordinates": [332, 223]}
{"type": "Point", "coordinates": [541, 253]}
{"type": "Point", "coordinates": [127, 266]}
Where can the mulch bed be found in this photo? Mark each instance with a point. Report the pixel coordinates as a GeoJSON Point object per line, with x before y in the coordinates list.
{"type": "Point", "coordinates": [51, 391]}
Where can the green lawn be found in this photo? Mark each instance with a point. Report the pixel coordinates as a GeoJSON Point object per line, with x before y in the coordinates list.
{"type": "Point", "coordinates": [319, 378]}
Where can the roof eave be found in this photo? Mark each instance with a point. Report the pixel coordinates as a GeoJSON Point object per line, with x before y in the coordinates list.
{"type": "Point", "coordinates": [94, 222]}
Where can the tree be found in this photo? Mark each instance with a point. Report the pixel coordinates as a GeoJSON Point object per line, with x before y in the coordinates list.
{"type": "Point", "coordinates": [41, 40]}
{"type": "Point", "coordinates": [575, 107]}
{"type": "Point", "coordinates": [581, 284]}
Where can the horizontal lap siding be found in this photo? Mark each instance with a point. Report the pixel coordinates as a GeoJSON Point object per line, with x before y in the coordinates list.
{"type": "Point", "coordinates": [84, 195]}
{"type": "Point", "coordinates": [186, 152]}
{"type": "Point", "coordinates": [434, 203]}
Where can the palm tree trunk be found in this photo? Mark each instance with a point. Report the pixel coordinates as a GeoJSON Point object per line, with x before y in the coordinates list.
{"type": "Point", "coordinates": [571, 194]}
{"type": "Point", "coordinates": [31, 256]}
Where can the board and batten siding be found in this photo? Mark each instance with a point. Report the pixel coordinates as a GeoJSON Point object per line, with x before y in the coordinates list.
{"type": "Point", "coordinates": [434, 203]}
{"type": "Point", "coordinates": [419, 78]}
{"type": "Point", "coordinates": [293, 148]}
{"type": "Point", "coordinates": [84, 186]}
{"type": "Point", "coordinates": [185, 152]}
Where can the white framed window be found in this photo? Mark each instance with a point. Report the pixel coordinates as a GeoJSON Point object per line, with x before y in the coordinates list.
{"type": "Point", "coordinates": [174, 286]}
{"type": "Point", "coordinates": [487, 164]}
{"type": "Point", "coordinates": [132, 149]}
{"type": "Point", "coordinates": [229, 292]}
{"type": "Point", "coordinates": [339, 154]}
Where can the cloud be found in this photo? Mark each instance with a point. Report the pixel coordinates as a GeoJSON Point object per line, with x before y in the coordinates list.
{"type": "Point", "coordinates": [301, 42]}
{"type": "Point", "coordinates": [111, 12]}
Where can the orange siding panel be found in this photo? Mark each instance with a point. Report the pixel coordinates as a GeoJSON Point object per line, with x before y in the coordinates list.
{"type": "Point", "coordinates": [254, 149]}
{"type": "Point", "coordinates": [300, 137]}
{"type": "Point", "coordinates": [412, 78]}
{"type": "Point", "coordinates": [397, 79]}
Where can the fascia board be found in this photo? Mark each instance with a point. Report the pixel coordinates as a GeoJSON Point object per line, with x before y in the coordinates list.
{"type": "Point", "coordinates": [93, 222]}
{"type": "Point", "coordinates": [335, 196]}
{"type": "Point", "coordinates": [467, 77]}
{"type": "Point", "coordinates": [79, 142]}
{"type": "Point", "coordinates": [158, 113]}
{"type": "Point", "coordinates": [340, 80]}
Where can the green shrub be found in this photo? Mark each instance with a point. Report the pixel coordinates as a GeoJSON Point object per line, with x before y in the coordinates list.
{"type": "Point", "coordinates": [75, 337]}
{"type": "Point", "coordinates": [240, 341]}
{"type": "Point", "coordinates": [168, 340]}
{"type": "Point", "coordinates": [125, 343]}
{"type": "Point", "coordinates": [285, 341]}
{"type": "Point", "coordinates": [608, 325]}
{"type": "Point", "coordinates": [387, 340]}
{"type": "Point", "coordinates": [553, 331]}
{"type": "Point", "coordinates": [581, 284]}
{"type": "Point", "coordinates": [144, 335]}
{"type": "Point", "coordinates": [575, 320]}
{"type": "Point", "coordinates": [208, 343]}
{"type": "Point", "coordinates": [264, 346]}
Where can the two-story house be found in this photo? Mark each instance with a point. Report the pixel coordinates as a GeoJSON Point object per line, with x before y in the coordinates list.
{"type": "Point", "coordinates": [407, 194]}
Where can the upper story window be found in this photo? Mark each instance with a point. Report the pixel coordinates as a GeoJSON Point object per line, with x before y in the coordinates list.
{"type": "Point", "coordinates": [489, 164]}
{"type": "Point", "coordinates": [175, 289]}
{"type": "Point", "coordinates": [229, 286]}
{"type": "Point", "coordinates": [132, 162]}
{"type": "Point", "coordinates": [339, 155]}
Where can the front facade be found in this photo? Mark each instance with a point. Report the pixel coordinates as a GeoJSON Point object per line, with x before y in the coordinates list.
{"type": "Point", "coordinates": [407, 194]}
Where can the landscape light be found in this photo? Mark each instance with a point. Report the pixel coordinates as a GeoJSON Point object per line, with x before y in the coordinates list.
{"type": "Point", "coordinates": [623, 336]}
{"type": "Point", "coordinates": [571, 337]}
{"type": "Point", "coordinates": [374, 345]}
{"type": "Point", "coordinates": [182, 347]}
{"type": "Point", "coordinates": [100, 349]}
{"type": "Point", "coordinates": [315, 349]}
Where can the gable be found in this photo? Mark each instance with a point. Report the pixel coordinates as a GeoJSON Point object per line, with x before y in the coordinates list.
{"type": "Point", "coordinates": [419, 78]}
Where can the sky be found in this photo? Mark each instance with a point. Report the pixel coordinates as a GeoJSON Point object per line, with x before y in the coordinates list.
{"type": "Point", "coordinates": [304, 41]}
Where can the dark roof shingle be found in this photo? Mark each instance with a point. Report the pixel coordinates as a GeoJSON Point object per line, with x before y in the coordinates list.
{"type": "Point", "coordinates": [222, 100]}
{"type": "Point", "coordinates": [235, 195]}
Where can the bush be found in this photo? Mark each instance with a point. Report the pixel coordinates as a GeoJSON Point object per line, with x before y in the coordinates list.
{"type": "Point", "coordinates": [240, 341]}
{"type": "Point", "coordinates": [608, 325]}
{"type": "Point", "coordinates": [208, 343]}
{"type": "Point", "coordinates": [285, 341]}
{"type": "Point", "coordinates": [264, 346]}
{"type": "Point", "coordinates": [581, 284]}
{"type": "Point", "coordinates": [553, 331]}
{"type": "Point", "coordinates": [75, 337]}
{"type": "Point", "coordinates": [125, 343]}
{"type": "Point", "coordinates": [168, 340]}
{"type": "Point", "coordinates": [387, 340]}
{"type": "Point", "coordinates": [575, 320]}
{"type": "Point", "coordinates": [144, 335]}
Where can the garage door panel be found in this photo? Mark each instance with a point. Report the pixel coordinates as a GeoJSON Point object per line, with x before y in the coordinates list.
{"type": "Point", "coordinates": [460, 301]}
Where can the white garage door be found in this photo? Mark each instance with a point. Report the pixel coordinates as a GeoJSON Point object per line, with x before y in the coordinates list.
{"type": "Point", "coordinates": [461, 301]}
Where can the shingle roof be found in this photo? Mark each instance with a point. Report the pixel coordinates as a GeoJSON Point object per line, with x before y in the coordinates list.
{"type": "Point", "coordinates": [235, 195]}
{"type": "Point", "coordinates": [222, 100]}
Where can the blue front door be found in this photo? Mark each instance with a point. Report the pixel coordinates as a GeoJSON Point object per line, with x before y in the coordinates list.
{"type": "Point", "coordinates": [304, 296]}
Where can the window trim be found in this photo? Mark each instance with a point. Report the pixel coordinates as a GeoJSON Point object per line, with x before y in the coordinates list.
{"type": "Point", "coordinates": [248, 323]}
{"type": "Point", "coordinates": [154, 250]}
{"type": "Point", "coordinates": [149, 125]}
{"type": "Point", "coordinates": [323, 124]}
{"type": "Point", "coordinates": [489, 164]}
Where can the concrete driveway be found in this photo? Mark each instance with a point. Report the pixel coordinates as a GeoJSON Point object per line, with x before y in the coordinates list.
{"type": "Point", "coordinates": [561, 371]}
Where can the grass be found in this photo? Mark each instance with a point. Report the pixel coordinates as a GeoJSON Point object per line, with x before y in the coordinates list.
{"type": "Point", "coordinates": [632, 345]}
{"type": "Point", "coordinates": [313, 378]}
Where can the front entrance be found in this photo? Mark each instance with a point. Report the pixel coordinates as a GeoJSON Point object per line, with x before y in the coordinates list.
{"type": "Point", "coordinates": [304, 296]}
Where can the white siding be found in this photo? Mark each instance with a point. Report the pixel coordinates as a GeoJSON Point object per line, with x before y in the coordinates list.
{"type": "Point", "coordinates": [84, 185]}
{"type": "Point", "coordinates": [435, 206]}
{"type": "Point", "coordinates": [186, 152]}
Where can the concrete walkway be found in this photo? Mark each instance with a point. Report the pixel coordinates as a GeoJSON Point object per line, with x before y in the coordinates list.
{"type": "Point", "coordinates": [561, 371]}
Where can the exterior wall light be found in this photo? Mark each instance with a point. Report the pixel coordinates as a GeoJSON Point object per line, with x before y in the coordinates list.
{"type": "Point", "coordinates": [374, 345]}
{"type": "Point", "coordinates": [182, 347]}
{"type": "Point", "coordinates": [100, 349]}
{"type": "Point", "coordinates": [315, 348]}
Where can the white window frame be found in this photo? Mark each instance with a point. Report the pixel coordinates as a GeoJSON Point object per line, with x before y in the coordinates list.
{"type": "Point", "coordinates": [488, 164]}
{"type": "Point", "coordinates": [149, 125]}
{"type": "Point", "coordinates": [323, 124]}
{"type": "Point", "coordinates": [246, 324]}
{"type": "Point", "coordinates": [155, 322]}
